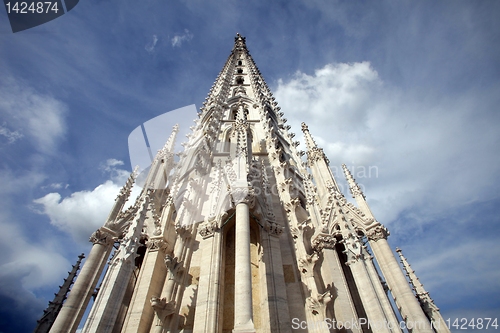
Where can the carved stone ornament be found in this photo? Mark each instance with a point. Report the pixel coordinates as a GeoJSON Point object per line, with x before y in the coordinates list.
{"type": "Point", "coordinates": [184, 231]}
{"type": "Point", "coordinates": [291, 205]}
{"type": "Point", "coordinates": [368, 220]}
{"type": "Point", "coordinates": [323, 241]}
{"type": "Point", "coordinates": [173, 266]}
{"type": "Point", "coordinates": [101, 237]}
{"type": "Point", "coordinates": [353, 248]}
{"type": "Point", "coordinates": [162, 308]}
{"type": "Point", "coordinates": [317, 304]}
{"type": "Point", "coordinates": [155, 245]}
{"type": "Point", "coordinates": [208, 229]}
{"type": "Point", "coordinates": [315, 154]}
{"type": "Point", "coordinates": [377, 233]}
{"type": "Point", "coordinates": [427, 304]}
{"type": "Point", "coordinates": [306, 264]}
{"type": "Point", "coordinates": [273, 228]}
{"type": "Point", "coordinates": [356, 191]}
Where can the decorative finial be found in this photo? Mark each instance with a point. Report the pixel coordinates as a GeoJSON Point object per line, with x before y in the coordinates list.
{"type": "Point", "coordinates": [304, 127]}
{"type": "Point", "coordinates": [239, 41]}
{"type": "Point", "coordinates": [353, 186]}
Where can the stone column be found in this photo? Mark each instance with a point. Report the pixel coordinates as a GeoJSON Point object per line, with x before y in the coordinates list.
{"type": "Point", "coordinates": [405, 299]}
{"type": "Point", "coordinates": [207, 312]}
{"type": "Point", "coordinates": [243, 319]}
{"type": "Point", "coordinates": [376, 317]}
{"type": "Point", "coordinates": [73, 309]}
{"type": "Point", "coordinates": [275, 294]}
{"type": "Point", "coordinates": [382, 296]}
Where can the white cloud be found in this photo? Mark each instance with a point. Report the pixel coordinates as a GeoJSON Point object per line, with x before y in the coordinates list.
{"type": "Point", "coordinates": [38, 116]}
{"type": "Point", "coordinates": [11, 136]}
{"type": "Point", "coordinates": [83, 212]}
{"type": "Point", "coordinates": [150, 47]}
{"type": "Point", "coordinates": [177, 40]}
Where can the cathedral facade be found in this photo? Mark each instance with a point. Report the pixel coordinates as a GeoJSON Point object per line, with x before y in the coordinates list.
{"type": "Point", "coordinates": [244, 234]}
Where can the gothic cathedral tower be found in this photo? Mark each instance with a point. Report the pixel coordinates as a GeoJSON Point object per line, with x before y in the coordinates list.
{"type": "Point", "coordinates": [242, 235]}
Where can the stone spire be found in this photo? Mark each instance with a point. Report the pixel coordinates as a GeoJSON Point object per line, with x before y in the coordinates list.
{"type": "Point", "coordinates": [122, 197]}
{"type": "Point", "coordinates": [318, 162]}
{"type": "Point", "coordinates": [168, 148]}
{"type": "Point", "coordinates": [163, 163]}
{"type": "Point", "coordinates": [357, 193]}
{"type": "Point", "coordinates": [353, 186]}
{"type": "Point", "coordinates": [426, 302]}
{"type": "Point", "coordinates": [50, 314]}
{"type": "Point", "coordinates": [311, 144]}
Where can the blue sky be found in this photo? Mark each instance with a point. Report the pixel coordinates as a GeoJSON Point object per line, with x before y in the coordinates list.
{"type": "Point", "coordinates": [411, 89]}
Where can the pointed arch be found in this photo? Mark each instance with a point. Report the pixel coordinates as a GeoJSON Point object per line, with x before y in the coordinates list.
{"type": "Point", "coordinates": [225, 141]}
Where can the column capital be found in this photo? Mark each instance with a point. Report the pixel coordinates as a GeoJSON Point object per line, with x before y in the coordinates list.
{"type": "Point", "coordinates": [377, 233]}
{"type": "Point", "coordinates": [323, 241]}
{"type": "Point", "coordinates": [316, 154]}
{"type": "Point", "coordinates": [243, 195]}
{"type": "Point", "coordinates": [102, 237]}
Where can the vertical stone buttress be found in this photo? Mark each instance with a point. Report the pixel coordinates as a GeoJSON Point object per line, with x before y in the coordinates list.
{"type": "Point", "coordinates": [150, 279]}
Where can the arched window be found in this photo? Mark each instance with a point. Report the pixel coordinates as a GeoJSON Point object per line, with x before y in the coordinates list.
{"type": "Point", "coordinates": [227, 142]}
{"type": "Point", "coordinates": [240, 63]}
{"type": "Point", "coordinates": [239, 80]}
{"type": "Point", "coordinates": [240, 71]}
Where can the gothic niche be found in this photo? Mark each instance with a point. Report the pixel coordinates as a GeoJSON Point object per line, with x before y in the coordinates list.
{"type": "Point", "coordinates": [141, 252]}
